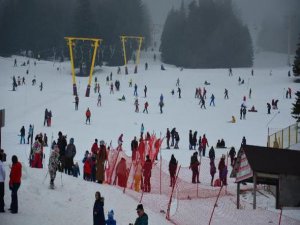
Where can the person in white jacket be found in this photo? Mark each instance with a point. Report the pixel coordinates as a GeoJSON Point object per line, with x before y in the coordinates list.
{"type": "Point", "coordinates": [2, 180]}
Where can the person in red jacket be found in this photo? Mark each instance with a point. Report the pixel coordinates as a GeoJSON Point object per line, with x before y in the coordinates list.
{"type": "Point", "coordinates": [204, 144]}
{"type": "Point", "coordinates": [88, 116]}
{"type": "Point", "coordinates": [95, 147]}
{"type": "Point", "coordinates": [87, 170]}
{"type": "Point", "coordinates": [147, 174]}
{"type": "Point", "coordinates": [14, 183]}
{"type": "Point", "coordinates": [121, 173]}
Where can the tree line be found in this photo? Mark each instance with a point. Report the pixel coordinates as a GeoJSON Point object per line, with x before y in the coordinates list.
{"type": "Point", "coordinates": [208, 34]}
{"type": "Point", "coordinates": [40, 26]}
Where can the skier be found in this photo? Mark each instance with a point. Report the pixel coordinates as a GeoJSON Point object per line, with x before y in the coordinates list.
{"type": "Point", "coordinates": [161, 105]}
{"type": "Point", "coordinates": [41, 86]}
{"type": "Point", "coordinates": [110, 76]}
{"type": "Point", "coordinates": [98, 88]}
{"type": "Point", "coordinates": [145, 91]}
{"type": "Point", "coordinates": [98, 210]}
{"type": "Point", "coordinates": [204, 143]}
{"type": "Point", "coordinates": [45, 140]}
{"type": "Point", "coordinates": [194, 166]}
{"type": "Point", "coordinates": [119, 70]}
{"type": "Point", "coordinates": [230, 72]}
{"type": "Point", "coordinates": [107, 80]}
{"type": "Point", "coordinates": [172, 170]}
{"type": "Point", "coordinates": [162, 67]}
{"type": "Point", "coordinates": [179, 92]}
{"type": "Point", "coordinates": [204, 93]}
{"type": "Point", "coordinates": [250, 92]}
{"type": "Point", "coordinates": [290, 92]}
{"type": "Point", "coordinates": [53, 165]}
{"type": "Point", "coordinates": [202, 101]}
{"type": "Point", "coordinates": [289, 73]}
{"type": "Point", "coordinates": [88, 116]}
{"type": "Point", "coordinates": [135, 90]}
{"type": "Point", "coordinates": [147, 174]}
{"type": "Point", "coordinates": [76, 102]}
{"type": "Point", "coordinates": [99, 100]}
{"type": "Point", "coordinates": [146, 107]}
{"type": "Point", "coordinates": [226, 94]}
{"type": "Point", "coordinates": [22, 134]}
{"type": "Point", "coordinates": [241, 112]}
{"type": "Point", "coordinates": [168, 135]}
{"type": "Point", "coordinates": [23, 80]}
{"type": "Point", "coordinates": [212, 100]}
{"type": "Point", "coordinates": [177, 82]}
{"type": "Point", "coordinates": [252, 72]}
{"type": "Point", "coordinates": [146, 66]}
{"type": "Point", "coordinates": [130, 82]}
{"type": "Point", "coordinates": [111, 88]}
{"type": "Point", "coordinates": [136, 103]}
{"type": "Point", "coordinates": [244, 113]}
{"type": "Point", "coordinates": [69, 156]}
{"type": "Point", "coordinates": [15, 63]}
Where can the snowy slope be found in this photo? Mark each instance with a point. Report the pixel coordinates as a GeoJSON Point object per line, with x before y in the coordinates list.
{"type": "Point", "coordinates": [26, 106]}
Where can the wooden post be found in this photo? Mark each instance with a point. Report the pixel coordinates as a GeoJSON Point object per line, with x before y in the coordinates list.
{"type": "Point", "coordinates": [277, 196]}
{"type": "Point", "coordinates": [238, 195]}
{"type": "Point", "coordinates": [254, 190]}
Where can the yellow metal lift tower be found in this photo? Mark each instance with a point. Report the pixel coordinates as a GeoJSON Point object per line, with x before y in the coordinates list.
{"type": "Point", "coordinates": [95, 44]}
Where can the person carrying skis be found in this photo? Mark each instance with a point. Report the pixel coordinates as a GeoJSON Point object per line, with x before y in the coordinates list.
{"type": "Point", "coordinates": [88, 116]}
{"type": "Point", "coordinates": [53, 165]}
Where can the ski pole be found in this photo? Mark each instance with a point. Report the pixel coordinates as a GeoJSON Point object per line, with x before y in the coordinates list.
{"type": "Point", "coordinates": [45, 177]}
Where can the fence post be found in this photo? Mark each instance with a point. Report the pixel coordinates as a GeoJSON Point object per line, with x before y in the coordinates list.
{"type": "Point", "coordinates": [289, 136]}
{"type": "Point", "coordinates": [170, 201]}
{"type": "Point", "coordinates": [282, 138]}
{"type": "Point", "coordinates": [215, 205]}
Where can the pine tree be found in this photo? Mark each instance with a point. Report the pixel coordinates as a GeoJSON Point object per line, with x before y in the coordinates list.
{"type": "Point", "coordinates": [296, 107]}
{"type": "Point", "coordinates": [296, 66]}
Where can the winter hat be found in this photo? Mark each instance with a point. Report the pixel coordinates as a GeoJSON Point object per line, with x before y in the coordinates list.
{"type": "Point", "coordinates": [110, 214]}
{"type": "Point", "coordinates": [102, 142]}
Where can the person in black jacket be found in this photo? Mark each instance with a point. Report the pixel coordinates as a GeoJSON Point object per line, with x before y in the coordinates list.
{"type": "Point", "coordinates": [232, 154]}
{"type": "Point", "coordinates": [62, 143]}
{"type": "Point", "coordinates": [211, 153]}
{"type": "Point", "coordinates": [194, 140]}
{"type": "Point", "coordinates": [98, 210]}
{"type": "Point", "coordinates": [173, 136]}
{"type": "Point", "coordinates": [134, 147]}
{"type": "Point", "coordinates": [22, 134]}
{"type": "Point", "coordinates": [190, 139]}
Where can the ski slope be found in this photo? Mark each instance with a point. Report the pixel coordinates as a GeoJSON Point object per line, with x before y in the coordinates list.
{"type": "Point", "coordinates": [74, 200]}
